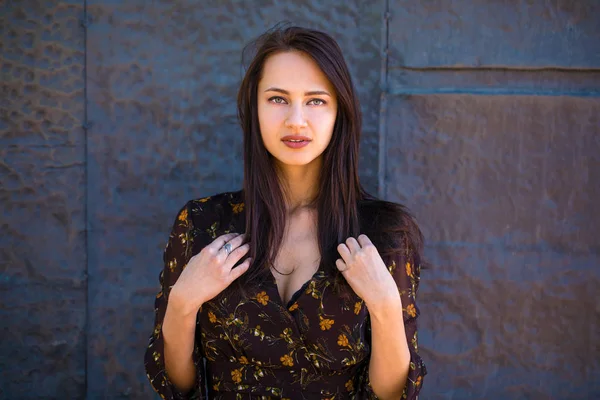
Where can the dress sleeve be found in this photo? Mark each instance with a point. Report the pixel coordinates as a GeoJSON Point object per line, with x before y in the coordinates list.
{"type": "Point", "coordinates": [176, 255]}
{"type": "Point", "coordinates": [406, 270]}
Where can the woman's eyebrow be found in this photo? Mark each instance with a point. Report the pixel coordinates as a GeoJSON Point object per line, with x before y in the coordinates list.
{"type": "Point", "coordinates": [311, 93]}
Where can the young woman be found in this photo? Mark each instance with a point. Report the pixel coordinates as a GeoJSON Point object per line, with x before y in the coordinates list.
{"type": "Point", "coordinates": [301, 285]}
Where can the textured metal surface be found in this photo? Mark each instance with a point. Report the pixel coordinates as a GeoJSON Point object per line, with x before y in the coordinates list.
{"type": "Point", "coordinates": [162, 81]}
{"type": "Point", "coordinates": [505, 190]}
{"type": "Point", "coordinates": [42, 230]}
{"type": "Point", "coordinates": [477, 33]}
{"type": "Point", "coordinates": [492, 138]}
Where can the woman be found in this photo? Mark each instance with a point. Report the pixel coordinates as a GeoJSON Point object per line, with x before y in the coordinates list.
{"type": "Point", "coordinates": [316, 298]}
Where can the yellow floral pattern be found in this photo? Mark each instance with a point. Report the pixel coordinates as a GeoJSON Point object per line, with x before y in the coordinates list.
{"type": "Point", "coordinates": [257, 348]}
{"type": "Point", "coordinates": [349, 386]}
{"type": "Point", "coordinates": [325, 323]}
{"type": "Point", "coordinates": [262, 298]}
{"type": "Point", "coordinates": [212, 317]}
{"type": "Point", "coordinates": [183, 216]}
{"type": "Point", "coordinates": [342, 340]}
{"type": "Point", "coordinates": [287, 360]}
{"type": "Point", "coordinates": [237, 208]}
{"type": "Point", "coordinates": [236, 375]}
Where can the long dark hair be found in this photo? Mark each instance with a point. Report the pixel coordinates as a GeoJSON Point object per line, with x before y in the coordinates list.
{"type": "Point", "coordinates": [344, 208]}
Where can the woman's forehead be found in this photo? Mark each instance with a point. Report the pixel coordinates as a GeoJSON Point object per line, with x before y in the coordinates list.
{"type": "Point", "coordinates": [295, 72]}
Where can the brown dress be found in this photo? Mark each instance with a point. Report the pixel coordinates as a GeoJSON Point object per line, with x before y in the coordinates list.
{"type": "Point", "coordinates": [315, 347]}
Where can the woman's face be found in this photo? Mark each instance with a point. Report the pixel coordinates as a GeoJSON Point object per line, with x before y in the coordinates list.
{"type": "Point", "coordinates": [296, 101]}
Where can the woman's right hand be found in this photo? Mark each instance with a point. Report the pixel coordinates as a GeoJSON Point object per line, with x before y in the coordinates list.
{"type": "Point", "coordinates": [208, 273]}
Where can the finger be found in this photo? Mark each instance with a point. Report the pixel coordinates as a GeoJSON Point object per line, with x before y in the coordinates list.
{"type": "Point", "coordinates": [221, 240]}
{"type": "Point", "coordinates": [220, 253]}
{"type": "Point", "coordinates": [237, 241]}
{"type": "Point", "coordinates": [352, 245]}
{"type": "Point", "coordinates": [341, 265]}
{"type": "Point", "coordinates": [344, 252]}
{"type": "Point", "coordinates": [364, 240]}
{"type": "Point", "coordinates": [240, 269]}
{"type": "Point", "coordinates": [237, 254]}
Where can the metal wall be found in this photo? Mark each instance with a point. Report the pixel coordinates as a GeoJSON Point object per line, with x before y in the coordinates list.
{"type": "Point", "coordinates": [43, 251]}
{"type": "Point", "coordinates": [493, 137]}
{"type": "Point", "coordinates": [481, 116]}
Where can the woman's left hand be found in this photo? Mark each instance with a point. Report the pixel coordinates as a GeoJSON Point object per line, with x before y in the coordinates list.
{"type": "Point", "coordinates": [366, 272]}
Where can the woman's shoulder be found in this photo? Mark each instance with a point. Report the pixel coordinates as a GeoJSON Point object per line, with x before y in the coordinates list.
{"type": "Point", "coordinates": [217, 200]}
{"type": "Point", "coordinates": [219, 209]}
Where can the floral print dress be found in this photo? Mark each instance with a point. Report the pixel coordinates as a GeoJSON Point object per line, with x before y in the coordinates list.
{"type": "Point", "coordinates": [317, 346]}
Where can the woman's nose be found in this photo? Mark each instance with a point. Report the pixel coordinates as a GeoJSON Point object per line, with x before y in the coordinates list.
{"type": "Point", "coordinates": [295, 118]}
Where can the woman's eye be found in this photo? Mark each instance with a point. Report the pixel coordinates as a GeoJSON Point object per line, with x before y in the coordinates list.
{"type": "Point", "coordinates": [277, 100]}
{"type": "Point", "coordinates": [281, 100]}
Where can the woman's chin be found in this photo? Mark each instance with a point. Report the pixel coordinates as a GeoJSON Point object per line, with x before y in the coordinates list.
{"type": "Point", "coordinates": [295, 161]}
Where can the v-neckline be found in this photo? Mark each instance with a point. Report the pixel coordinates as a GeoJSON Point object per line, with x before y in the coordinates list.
{"type": "Point", "coordinates": [298, 292]}
{"type": "Point", "coordinates": [319, 273]}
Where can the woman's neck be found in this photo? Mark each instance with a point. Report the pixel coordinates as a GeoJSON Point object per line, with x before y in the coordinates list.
{"type": "Point", "coordinates": [301, 185]}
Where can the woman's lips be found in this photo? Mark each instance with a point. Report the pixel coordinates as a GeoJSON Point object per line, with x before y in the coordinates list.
{"type": "Point", "coordinates": [295, 141]}
{"type": "Point", "coordinates": [296, 145]}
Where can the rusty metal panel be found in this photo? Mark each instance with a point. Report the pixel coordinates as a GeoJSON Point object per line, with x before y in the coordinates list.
{"type": "Point", "coordinates": [494, 33]}
{"type": "Point", "coordinates": [42, 195]}
{"type": "Point", "coordinates": [505, 189]}
{"type": "Point", "coordinates": [162, 82]}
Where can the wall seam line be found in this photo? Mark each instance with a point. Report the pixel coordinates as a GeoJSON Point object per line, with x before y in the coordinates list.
{"type": "Point", "coordinates": [85, 196]}
{"type": "Point", "coordinates": [417, 91]}
{"type": "Point", "coordinates": [382, 158]}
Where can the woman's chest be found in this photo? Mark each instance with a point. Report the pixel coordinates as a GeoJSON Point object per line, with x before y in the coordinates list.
{"type": "Point", "coordinates": [319, 329]}
{"type": "Point", "coordinates": [296, 262]}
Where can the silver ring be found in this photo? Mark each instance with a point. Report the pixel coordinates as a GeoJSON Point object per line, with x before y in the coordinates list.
{"type": "Point", "coordinates": [227, 248]}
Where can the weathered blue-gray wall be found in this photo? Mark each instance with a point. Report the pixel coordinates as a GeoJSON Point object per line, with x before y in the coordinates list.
{"type": "Point", "coordinates": [493, 138]}
{"type": "Point", "coordinates": [43, 296]}
{"type": "Point", "coordinates": [482, 117]}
